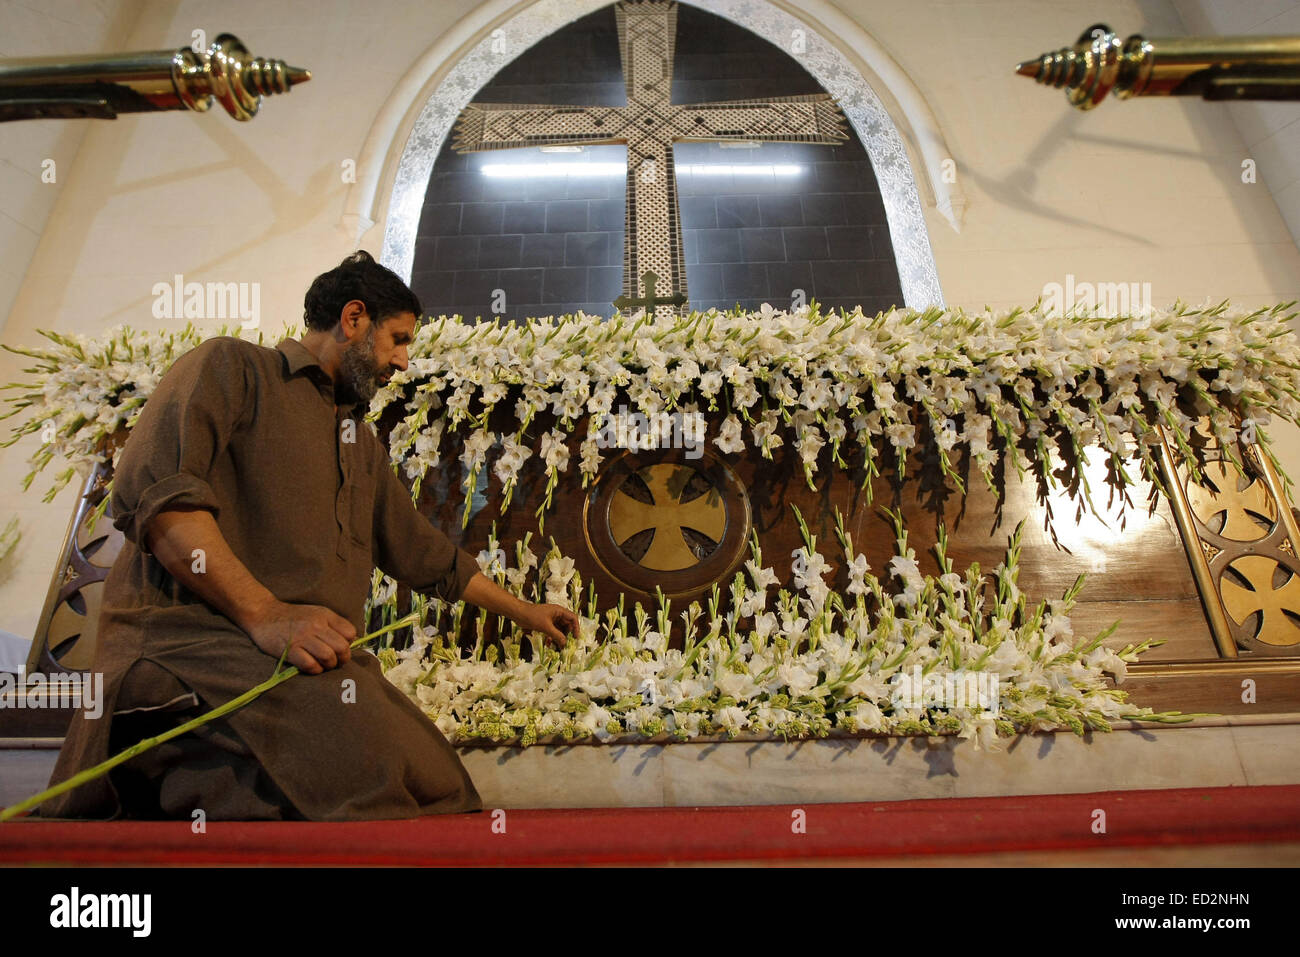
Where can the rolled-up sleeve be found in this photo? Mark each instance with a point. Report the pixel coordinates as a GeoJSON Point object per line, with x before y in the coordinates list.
{"type": "Point", "coordinates": [184, 426]}
{"type": "Point", "coordinates": [409, 549]}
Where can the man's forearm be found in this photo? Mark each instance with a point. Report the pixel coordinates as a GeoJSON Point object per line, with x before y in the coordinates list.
{"type": "Point", "coordinates": [189, 544]}
{"type": "Point", "coordinates": [490, 596]}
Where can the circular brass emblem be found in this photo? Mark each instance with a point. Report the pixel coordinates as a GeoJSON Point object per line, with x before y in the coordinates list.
{"type": "Point", "coordinates": [662, 519]}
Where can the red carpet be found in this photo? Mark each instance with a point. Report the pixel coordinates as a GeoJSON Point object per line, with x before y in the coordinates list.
{"type": "Point", "coordinates": [1158, 818]}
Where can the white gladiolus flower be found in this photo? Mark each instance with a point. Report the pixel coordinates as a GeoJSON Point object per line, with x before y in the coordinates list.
{"type": "Point", "coordinates": [653, 642]}
{"type": "Point", "coordinates": [809, 568]}
{"type": "Point", "coordinates": [1107, 661]}
{"type": "Point", "coordinates": [765, 433]}
{"type": "Point", "coordinates": [798, 678]}
{"type": "Point", "coordinates": [559, 572]}
{"type": "Point", "coordinates": [762, 578]}
{"type": "Point", "coordinates": [793, 629]}
{"type": "Point", "coordinates": [809, 445]}
{"type": "Point", "coordinates": [447, 724]}
{"type": "Point", "coordinates": [596, 721]}
{"type": "Point", "coordinates": [906, 569]}
{"type": "Point", "coordinates": [476, 447]}
{"type": "Point", "coordinates": [868, 717]}
{"type": "Point", "coordinates": [752, 603]}
{"type": "Point", "coordinates": [512, 457]}
{"type": "Point", "coordinates": [689, 723]}
{"type": "Point", "coordinates": [729, 440]}
{"type": "Point", "coordinates": [953, 582]}
{"type": "Point", "coordinates": [492, 393]}
{"type": "Point", "coordinates": [405, 674]}
{"type": "Point", "coordinates": [765, 624]}
{"type": "Point", "coordinates": [738, 686]}
{"type": "Point", "coordinates": [555, 451]}
{"type": "Point", "coordinates": [734, 719]}
{"type": "Point", "coordinates": [589, 456]}
{"type": "Point", "coordinates": [858, 569]}
{"type": "Point", "coordinates": [1008, 660]}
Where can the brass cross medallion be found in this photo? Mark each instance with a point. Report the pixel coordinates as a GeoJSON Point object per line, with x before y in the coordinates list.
{"type": "Point", "coordinates": [668, 516]}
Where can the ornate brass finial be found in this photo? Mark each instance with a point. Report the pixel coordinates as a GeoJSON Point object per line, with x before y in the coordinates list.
{"type": "Point", "coordinates": [103, 86]}
{"type": "Point", "coordinates": [1215, 68]}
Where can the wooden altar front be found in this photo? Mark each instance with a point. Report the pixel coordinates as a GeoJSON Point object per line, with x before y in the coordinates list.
{"type": "Point", "coordinates": [1207, 569]}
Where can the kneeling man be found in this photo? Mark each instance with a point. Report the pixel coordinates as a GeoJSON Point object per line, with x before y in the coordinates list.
{"type": "Point", "coordinates": [255, 505]}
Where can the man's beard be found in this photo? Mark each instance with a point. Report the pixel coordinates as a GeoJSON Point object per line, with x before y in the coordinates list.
{"type": "Point", "coordinates": [358, 372]}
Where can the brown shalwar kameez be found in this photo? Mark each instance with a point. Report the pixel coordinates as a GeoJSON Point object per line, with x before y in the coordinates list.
{"type": "Point", "coordinates": [306, 499]}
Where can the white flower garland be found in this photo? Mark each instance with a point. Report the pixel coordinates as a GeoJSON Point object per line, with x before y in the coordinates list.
{"type": "Point", "coordinates": [988, 384]}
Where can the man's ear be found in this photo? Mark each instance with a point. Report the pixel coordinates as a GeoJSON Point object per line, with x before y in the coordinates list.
{"type": "Point", "coordinates": [351, 317]}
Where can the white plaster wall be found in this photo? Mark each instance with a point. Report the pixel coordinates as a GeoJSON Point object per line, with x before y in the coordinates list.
{"type": "Point", "coordinates": [1140, 191]}
{"type": "Point", "coordinates": [149, 196]}
{"type": "Point", "coordinates": [1271, 131]}
{"type": "Point", "coordinates": [27, 194]}
{"type": "Point", "coordinates": [1144, 190]}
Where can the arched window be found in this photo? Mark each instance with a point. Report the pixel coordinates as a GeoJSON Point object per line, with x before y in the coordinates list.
{"type": "Point", "coordinates": [535, 220]}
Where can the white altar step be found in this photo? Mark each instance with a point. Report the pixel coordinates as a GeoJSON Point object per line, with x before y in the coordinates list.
{"type": "Point", "coordinates": [1210, 752]}
{"type": "Point", "coordinates": [1214, 752]}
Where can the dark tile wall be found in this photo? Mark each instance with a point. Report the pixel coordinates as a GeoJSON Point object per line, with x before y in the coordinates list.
{"type": "Point", "coordinates": [547, 246]}
{"type": "Point", "coordinates": [820, 233]}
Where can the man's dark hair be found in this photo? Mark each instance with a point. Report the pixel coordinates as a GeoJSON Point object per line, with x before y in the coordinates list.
{"type": "Point", "coordinates": [357, 277]}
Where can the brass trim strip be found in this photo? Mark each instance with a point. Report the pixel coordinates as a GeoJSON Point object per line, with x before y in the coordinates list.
{"type": "Point", "coordinates": [1210, 598]}
{"type": "Point", "coordinates": [1181, 669]}
{"type": "Point", "coordinates": [35, 661]}
{"type": "Point", "coordinates": [31, 744]}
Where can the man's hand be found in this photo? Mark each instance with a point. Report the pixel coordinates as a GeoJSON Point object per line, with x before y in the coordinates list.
{"type": "Point", "coordinates": [318, 639]}
{"type": "Point", "coordinates": [551, 620]}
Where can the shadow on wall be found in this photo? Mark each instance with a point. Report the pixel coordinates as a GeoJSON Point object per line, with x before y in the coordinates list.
{"type": "Point", "coordinates": [9, 536]}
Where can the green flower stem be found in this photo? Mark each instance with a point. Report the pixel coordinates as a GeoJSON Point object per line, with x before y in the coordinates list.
{"type": "Point", "coordinates": [99, 770]}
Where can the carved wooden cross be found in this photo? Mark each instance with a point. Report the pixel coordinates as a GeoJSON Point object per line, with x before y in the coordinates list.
{"type": "Point", "coordinates": [650, 124]}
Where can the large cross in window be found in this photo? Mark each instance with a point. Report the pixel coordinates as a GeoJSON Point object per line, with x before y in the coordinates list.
{"type": "Point", "coordinates": [649, 125]}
